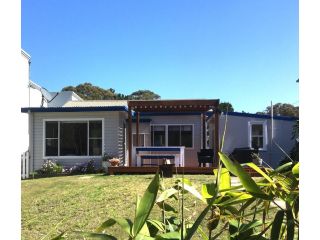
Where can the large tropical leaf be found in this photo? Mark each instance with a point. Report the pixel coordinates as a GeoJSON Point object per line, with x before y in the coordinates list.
{"type": "Point", "coordinates": [247, 182]}
{"type": "Point", "coordinates": [208, 190]}
{"type": "Point", "coordinates": [235, 199]}
{"type": "Point", "coordinates": [145, 205]}
{"type": "Point", "coordinates": [290, 225]}
{"type": "Point", "coordinates": [101, 236]}
{"type": "Point", "coordinates": [169, 236]}
{"type": "Point", "coordinates": [198, 221]}
{"type": "Point", "coordinates": [192, 190]}
{"type": "Point", "coordinates": [276, 226]}
{"type": "Point", "coordinates": [224, 181]}
{"type": "Point", "coordinates": [295, 170]}
{"type": "Point", "coordinates": [167, 194]}
{"type": "Point", "coordinates": [125, 225]}
{"type": "Point", "coordinates": [257, 169]}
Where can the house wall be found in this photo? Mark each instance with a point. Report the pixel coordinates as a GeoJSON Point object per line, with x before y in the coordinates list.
{"type": "Point", "coordinates": [191, 158]}
{"type": "Point", "coordinates": [237, 136]}
{"type": "Point", "coordinates": [112, 135]}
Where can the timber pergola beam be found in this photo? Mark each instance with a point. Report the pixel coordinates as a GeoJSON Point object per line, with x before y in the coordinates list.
{"type": "Point", "coordinates": [171, 106]}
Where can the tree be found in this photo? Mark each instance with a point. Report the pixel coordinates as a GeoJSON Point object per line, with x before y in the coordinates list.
{"type": "Point", "coordinates": [282, 109]}
{"type": "Point", "coordinates": [87, 91]}
{"type": "Point", "coordinates": [143, 95]}
{"type": "Point", "coordinates": [226, 107]}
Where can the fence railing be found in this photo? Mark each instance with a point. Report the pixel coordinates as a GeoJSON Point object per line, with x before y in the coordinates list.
{"type": "Point", "coordinates": [25, 157]}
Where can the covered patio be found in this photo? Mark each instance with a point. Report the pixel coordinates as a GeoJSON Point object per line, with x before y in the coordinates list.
{"type": "Point", "coordinates": [200, 107]}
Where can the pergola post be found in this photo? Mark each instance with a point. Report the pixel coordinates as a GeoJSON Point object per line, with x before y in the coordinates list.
{"type": "Point", "coordinates": [204, 132]}
{"type": "Point", "coordinates": [137, 127]}
{"type": "Point", "coordinates": [216, 136]}
{"type": "Point", "coordinates": [130, 136]}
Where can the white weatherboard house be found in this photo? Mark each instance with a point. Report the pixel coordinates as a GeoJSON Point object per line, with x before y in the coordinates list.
{"type": "Point", "coordinates": [79, 130]}
{"type": "Point", "coordinates": [65, 128]}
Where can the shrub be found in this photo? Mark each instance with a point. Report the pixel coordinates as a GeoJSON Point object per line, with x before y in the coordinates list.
{"type": "Point", "coordinates": [84, 168]}
{"type": "Point", "coordinates": [50, 167]}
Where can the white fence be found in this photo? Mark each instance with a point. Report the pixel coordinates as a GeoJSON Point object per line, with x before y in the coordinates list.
{"type": "Point", "coordinates": [25, 165]}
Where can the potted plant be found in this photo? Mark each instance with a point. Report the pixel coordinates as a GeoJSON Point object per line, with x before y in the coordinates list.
{"type": "Point", "coordinates": [105, 160]}
{"type": "Point", "coordinates": [114, 161]}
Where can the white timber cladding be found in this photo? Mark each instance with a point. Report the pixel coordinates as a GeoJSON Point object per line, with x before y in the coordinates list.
{"type": "Point", "coordinates": [111, 135]}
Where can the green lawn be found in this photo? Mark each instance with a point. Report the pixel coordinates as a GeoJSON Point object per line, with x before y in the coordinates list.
{"type": "Point", "coordinates": [52, 205]}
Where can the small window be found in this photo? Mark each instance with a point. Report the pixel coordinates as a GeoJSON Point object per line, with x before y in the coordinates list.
{"type": "Point", "coordinates": [95, 138]}
{"type": "Point", "coordinates": [141, 140]}
{"type": "Point", "coordinates": [186, 136]}
{"type": "Point", "coordinates": [158, 135]}
{"type": "Point", "coordinates": [257, 134]}
{"type": "Point", "coordinates": [51, 139]}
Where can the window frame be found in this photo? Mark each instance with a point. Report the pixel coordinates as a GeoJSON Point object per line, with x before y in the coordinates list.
{"type": "Point", "coordinates": [59, 120]}
{"type": "Point", "coordinates": [144, 138]}
{"type": "Point", "coordinates": [167, 132]}
{"type": "Point", "coordinates": [264, 132]}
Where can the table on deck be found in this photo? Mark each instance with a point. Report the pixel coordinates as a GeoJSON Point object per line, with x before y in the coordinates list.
{"type": "Point", "coordinates": [153, 152]}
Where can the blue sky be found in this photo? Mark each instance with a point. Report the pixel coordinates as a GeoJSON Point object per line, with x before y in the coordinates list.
{"type": "Point", "coordinates": [244, 52]}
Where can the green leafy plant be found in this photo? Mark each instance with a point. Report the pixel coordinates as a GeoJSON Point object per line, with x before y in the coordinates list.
{"type": "Point", "coordinates": [255, 208]}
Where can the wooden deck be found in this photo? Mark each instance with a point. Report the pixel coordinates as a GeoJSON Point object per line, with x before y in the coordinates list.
{"type": "Point", "coordinates": [179, 170]}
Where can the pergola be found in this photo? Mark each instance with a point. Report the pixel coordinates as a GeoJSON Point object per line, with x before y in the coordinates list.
{"type": "Point", "coordinates": [175, 106]}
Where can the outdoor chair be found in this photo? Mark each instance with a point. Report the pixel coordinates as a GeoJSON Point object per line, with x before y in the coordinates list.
{"type": "Point", "coordinates": [205, 156]}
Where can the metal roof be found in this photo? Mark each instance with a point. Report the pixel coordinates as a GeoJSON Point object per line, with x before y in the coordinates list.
{"type": "Point", "coordinates": [96, 103]}
{"type": "Point", "coordinates": [75, 109]}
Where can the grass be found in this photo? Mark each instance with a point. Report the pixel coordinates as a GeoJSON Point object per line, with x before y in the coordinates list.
{"type": "Point", "coordinates": [53, 205]}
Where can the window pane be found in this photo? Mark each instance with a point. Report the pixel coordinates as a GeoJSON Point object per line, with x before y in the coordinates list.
{"type": "Point", "coordinates": [95, 129]}
{"type": "Point", "coordinates": [158, 135]}
{"type": "Point", "coordinates": [257, 142]}
{"type": "Point", "coordinates": [257, 129]}
{"type": "Point", "coordinates": [73, 139]}
{"type": "Point", "coordinates": [95, 147]}
{"type": "Point", "coordinates": [51, 129]}
{"type": "Point", "coordinates": [173, 135]}
{"type": "Point", "coordinates": [51, 147]}
{"type": "Point", "coordinates": [141, 140]}
{"type": "Point", "coordinates": [186, 136]}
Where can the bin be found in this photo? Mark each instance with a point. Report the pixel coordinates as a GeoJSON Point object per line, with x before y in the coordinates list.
{"type": "Point", "coordinates": [166, 170]}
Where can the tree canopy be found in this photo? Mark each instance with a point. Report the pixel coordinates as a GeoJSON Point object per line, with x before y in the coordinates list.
{"type": "Point", "coordinates": [87, 91]}
{"type": "Point", "coordinates": [226, 107]}
{"type": "Point", "coordinates": [282, 109]}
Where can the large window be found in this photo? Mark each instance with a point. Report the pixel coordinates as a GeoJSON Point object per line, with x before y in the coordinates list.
{"type": "Point", "coordinates": [180, 135]}
{"type": "Point", "coordinates": [257, 135]}
{"type": "Point", "coordinates": [73, 138]}
{"type": "Point", "coordinates": [172, 135]}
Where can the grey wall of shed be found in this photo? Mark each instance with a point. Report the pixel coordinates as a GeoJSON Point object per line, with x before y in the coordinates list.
{"type": "Point", "coordinates": [112, 135]}
{"type": "Point", "coordinates": [237, 136]}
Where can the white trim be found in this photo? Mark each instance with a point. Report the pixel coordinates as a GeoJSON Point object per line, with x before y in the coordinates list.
{"type": "Point", "coordinates": [265, 133]}
{"type": "Point", "coordinates": [166, 132]}
{"type": "Point", "coordinates": [71, 120]}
